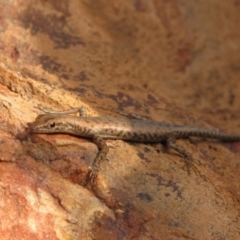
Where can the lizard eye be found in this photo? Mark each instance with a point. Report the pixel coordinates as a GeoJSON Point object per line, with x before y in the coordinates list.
{"type": "Point", "coordinates": [52, 125]}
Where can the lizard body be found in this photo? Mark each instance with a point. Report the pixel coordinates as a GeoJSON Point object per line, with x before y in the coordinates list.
{"type": "Point", "coordinates": [137, 130]}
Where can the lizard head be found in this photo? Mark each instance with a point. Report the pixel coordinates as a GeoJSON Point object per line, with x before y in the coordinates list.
{"type": "Point", "coordinates": [46, 124]}
{"type": "Point", "coordinates": [53, 123]}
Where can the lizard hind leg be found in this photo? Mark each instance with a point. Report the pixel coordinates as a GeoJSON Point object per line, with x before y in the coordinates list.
{"type": "Point", "coordinates": [171, 142]}
{"type": "Point", "coordinates": [132, 115]}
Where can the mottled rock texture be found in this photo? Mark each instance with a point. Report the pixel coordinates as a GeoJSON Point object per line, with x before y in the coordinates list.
{"type": "Point", "coordinates": [173, 61]}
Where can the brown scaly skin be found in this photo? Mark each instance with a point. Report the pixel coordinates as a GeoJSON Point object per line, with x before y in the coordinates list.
{"type": "Point", "coordinates": [137, 130]}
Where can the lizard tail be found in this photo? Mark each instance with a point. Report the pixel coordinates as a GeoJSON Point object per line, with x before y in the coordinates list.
{"type": "Point", "coordinates": [205, 133]}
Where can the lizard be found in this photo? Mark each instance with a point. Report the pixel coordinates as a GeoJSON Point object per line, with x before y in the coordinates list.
{"type": "Point", "coordinates": [136, 130]}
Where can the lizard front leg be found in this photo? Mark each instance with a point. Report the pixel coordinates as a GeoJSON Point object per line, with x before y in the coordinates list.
{"type": "Point", "coordinates": [81, 110]}
{"type": "Point", "coordinates": [103, 150]}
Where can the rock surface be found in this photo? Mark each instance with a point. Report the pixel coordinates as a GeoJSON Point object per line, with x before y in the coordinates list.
{"type": "Point", "coordinates": [173, 61]}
